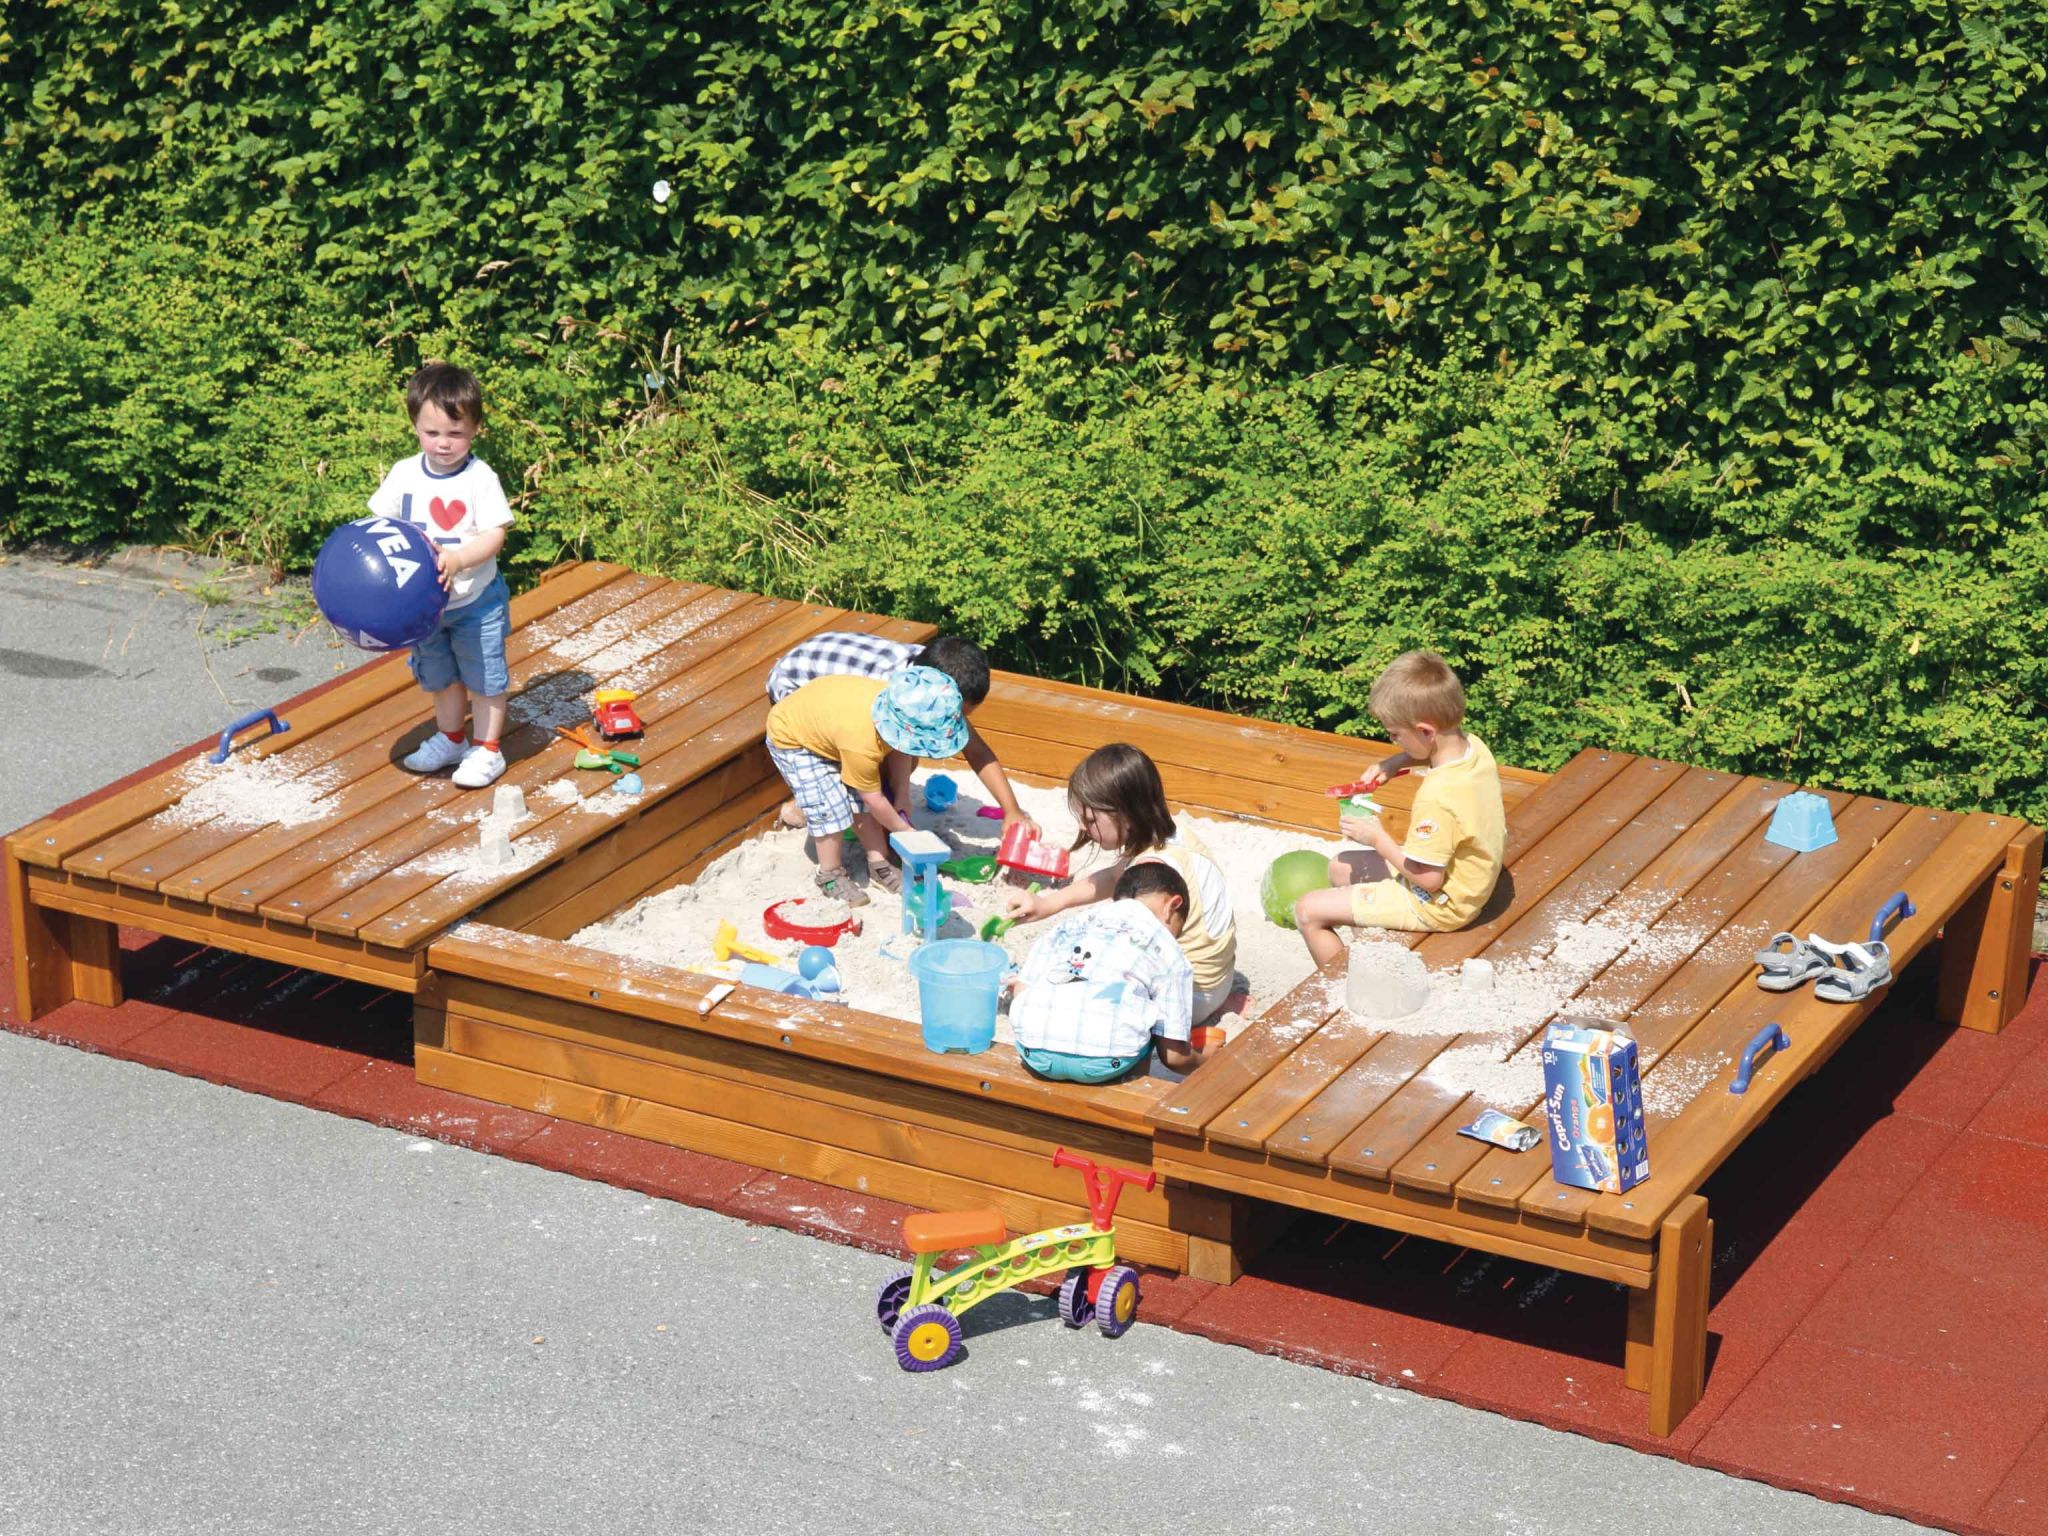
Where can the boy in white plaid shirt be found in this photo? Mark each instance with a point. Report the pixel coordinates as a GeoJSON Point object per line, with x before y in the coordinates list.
{"type": "Point", "coordinates": [1108, 985]}
{"type": "Point", "coordinates": [849, 653]}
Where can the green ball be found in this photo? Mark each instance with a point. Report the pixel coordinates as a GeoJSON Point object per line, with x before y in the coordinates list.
{"type": "Point", "coordinates": [1290, 877]}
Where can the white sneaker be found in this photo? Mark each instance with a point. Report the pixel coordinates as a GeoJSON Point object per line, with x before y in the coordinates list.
{"type": "Point", "coordinates": [480, 766]}
{"type": "Point", "coordinates": [435, 753]}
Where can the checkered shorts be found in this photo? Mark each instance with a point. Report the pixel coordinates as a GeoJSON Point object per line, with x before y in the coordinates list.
{"type": "Point", "coordinates": [840, 653]}
{"type": "Point", "coordinates": [827, 803]}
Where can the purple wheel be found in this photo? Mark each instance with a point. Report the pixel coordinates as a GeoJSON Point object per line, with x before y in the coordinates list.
{"type": "Point", "coordinates": [927, 1338]}
{"type": "Point", "coordinates": [1116, 1304]}
{"type": "Point", "coordinates": [889, 1300]}
{"type": "Point", "coordinates": [1076, 1310]}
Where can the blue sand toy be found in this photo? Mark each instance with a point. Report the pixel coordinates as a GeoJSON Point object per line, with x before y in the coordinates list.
{"type": "Point", "coordinates": [376, 583]}
{"type": "Point", "coordinates": [940, 792]}
{"type": "Point", "coordinates": [959, 983]}
{"type": "Point", "coordinates": [925, 902]}
{"type": "Point", "coordinates": [1802, 822]}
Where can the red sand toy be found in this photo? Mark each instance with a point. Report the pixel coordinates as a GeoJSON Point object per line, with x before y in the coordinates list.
{"type": "Point", "coordinates": [779, 926]}
{"type": "Point", "coordinates": [613, 714]}
{"type": "Point", "coordinates": [1020, 851]}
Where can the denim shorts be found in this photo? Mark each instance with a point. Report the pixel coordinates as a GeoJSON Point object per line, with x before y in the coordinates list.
{"type": "Point", "coordinates": [1065, 1067]}
{"type": "Point", "coordinates": [469, 646]}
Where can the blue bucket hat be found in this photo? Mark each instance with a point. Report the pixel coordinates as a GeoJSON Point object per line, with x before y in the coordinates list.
{"type": "Point", "coordinates": [918, 711]}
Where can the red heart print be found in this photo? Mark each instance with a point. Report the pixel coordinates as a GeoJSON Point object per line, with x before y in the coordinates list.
{"type": "Point", "coordinates": [446, 514]}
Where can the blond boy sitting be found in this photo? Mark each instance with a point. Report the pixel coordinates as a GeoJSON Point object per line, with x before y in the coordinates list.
{"type": "Point", "coordinates": [1441, 876]}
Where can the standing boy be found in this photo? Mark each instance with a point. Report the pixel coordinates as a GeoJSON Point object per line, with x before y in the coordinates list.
{"type": "Point", "coordinates": [452, 493]}
{"type": "Point", "coordinates": [1442, 875]}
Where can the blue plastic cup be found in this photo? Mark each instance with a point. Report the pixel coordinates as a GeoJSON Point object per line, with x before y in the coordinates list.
{"type": "Point", "coordinates": [940, 792]}
{"type": "Point", "coordinates": [958, 984]}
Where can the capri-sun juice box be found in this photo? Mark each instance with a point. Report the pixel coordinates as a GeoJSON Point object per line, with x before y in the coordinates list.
{"type": "Point", "coordinates": [1593, 1095]}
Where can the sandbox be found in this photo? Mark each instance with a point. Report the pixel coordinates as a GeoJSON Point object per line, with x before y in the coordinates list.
{"type": "Point", "coordinates": [516, 1010]}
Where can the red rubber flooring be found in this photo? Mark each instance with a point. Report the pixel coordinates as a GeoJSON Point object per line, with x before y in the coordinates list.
{"type": "Point", "coordinates": [1879, 1332]}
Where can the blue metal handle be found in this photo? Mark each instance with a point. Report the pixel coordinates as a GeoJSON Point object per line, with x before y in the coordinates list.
{"type": "Point", "coordinates": [1900, 903]}
{"type": "Point", "coordinates": [1770, 1037]}
{"type": "Point", "coordinates": [227, 737]}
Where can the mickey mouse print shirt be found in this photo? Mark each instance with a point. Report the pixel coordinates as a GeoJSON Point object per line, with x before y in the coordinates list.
{"type": "Point", "coordinates": [1102, 982]}
{"type": "Point", "coordinates": [451, 508]}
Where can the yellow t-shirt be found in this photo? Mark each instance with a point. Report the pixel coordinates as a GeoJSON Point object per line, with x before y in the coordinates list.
{"type": "Point", "coordinates": [834, 717]}
{"type": "Point", "coordinates": [1208, 936]}
{"type": "Point", "coordinates": [1459, 825]}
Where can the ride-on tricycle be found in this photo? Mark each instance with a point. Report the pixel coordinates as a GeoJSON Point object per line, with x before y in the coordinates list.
{"type": "Point", "coordinates": [921, 1310]}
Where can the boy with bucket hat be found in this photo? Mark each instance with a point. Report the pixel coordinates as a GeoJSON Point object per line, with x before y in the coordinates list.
{"type": "Point", "coordinates": [829, 740]}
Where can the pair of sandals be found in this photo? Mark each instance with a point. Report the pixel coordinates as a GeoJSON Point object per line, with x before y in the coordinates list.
{"type": "Point", "coordinates": [839, 883]}
{"type": "Point", "coordinates": [1840, 973]}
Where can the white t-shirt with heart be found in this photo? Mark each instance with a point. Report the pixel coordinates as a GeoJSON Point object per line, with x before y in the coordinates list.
{"type": "Point", "coordinates": [452, 508]}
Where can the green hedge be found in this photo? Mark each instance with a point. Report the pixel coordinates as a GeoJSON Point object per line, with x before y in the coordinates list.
{"type": "Point", "coordinates": [1742, 212]}
{"type": "Point", "coordinates": [1676, 371]}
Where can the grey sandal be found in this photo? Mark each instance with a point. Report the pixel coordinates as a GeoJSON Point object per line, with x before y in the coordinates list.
{"type": "Point", "coordinates": [1787, 967]}
{"type": "Point", "coordinates": [887, 877]}
{"type": "Point", "coordinates": [838, 884]}
{"type": "Point", "coordinates": [1858, 971]}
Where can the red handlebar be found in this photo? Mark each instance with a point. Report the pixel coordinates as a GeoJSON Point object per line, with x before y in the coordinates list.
{"type": "Point", "coordinates": [1101, 1201]}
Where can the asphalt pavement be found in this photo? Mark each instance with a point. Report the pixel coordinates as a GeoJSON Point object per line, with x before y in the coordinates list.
{"type": "Point", "coordinates": [220, 1313]}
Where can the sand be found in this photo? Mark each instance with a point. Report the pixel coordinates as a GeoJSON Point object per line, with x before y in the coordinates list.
{"type": "Point", "coordinates": [1488, 1029]}
{"type": "Point", "coordinates": [1492, 1034]}
{"type": "Point", "coordinates": [250, 792]}
{"type": "Point", "coordinates": [676, 926]}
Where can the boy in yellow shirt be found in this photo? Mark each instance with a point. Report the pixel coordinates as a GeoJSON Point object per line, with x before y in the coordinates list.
{"type": "Point", "coordinates": [829, 740]}
{"type": "Point", "coordinates": [1441, 877]}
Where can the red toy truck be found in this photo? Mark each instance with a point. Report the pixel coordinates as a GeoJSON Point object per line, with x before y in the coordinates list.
{"type": "Point", "coordinates": [613, 714]}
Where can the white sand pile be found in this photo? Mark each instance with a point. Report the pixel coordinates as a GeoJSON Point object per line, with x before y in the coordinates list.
{"type": "Point", "coordinates": [251, 792]}
{"type": "Point", "coordinates": [1493, 1025]}
{"type": "Point", "coordinates": [677, 926]}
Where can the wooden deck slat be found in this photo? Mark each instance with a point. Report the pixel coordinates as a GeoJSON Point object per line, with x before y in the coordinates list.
{"type": "Point", "coordinates": [1632, 853]}
{"type": "Point", "coordinates": [222, 877]}
{"type": "Point", "coordinates": [193, 861]}
{"type": "Point", "coordinates": [1777, 888]}
{"type": "Point", "coordinates": [1946, 857]}
{"type": "Point", "coordinates": [1279, 1031]}
{"type": "Point", "coordinates": [606, 863]}
{"type": "Point", "coordinates": [1620, 988]}
{"type": "Point", "coordinates": [1189, 736]}
{"type": "Point", "coordinates": [348, 852]}
{"type": "Point", "coordinates": [1250, 1053]}
{"type": "Point", "coordinates": [1314, 1126]}
{"type": "Point", "coordinates": [1206, 790]}
{"type": "Point", "coordinates": [715, 710]}
{"type": "Point", "coordinates": [56, 839]}
{"type": "Point", "coordinates": [389, 867]}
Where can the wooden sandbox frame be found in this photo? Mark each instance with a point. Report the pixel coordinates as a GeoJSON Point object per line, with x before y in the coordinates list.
{"type": "Point", "coordinates": [511, 1013]}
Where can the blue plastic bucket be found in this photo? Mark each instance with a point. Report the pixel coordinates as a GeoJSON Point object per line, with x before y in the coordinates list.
{"type": "Point", "coordinates": [958, 983]}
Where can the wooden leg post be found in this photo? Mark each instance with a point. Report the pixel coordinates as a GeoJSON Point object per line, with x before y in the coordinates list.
{"type": "Point", "coordinates": [57, 957]}
{"type": "Point", "coordinates": [1642, 1331]}
{"type": "Point", "coordinates": [1984, 947]}
{"type": "Point", "coordinates": [1219, 1256]}
{"type": "Point", "coordinates": [1678, 1351]}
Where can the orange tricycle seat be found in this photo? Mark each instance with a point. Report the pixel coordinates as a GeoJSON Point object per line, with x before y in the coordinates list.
{"type": "Point", "coordinates": [943, 1231]}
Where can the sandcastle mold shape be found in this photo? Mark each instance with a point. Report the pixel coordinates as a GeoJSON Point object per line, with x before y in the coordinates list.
{"type": "Point", "coordinates": [1385, 981]}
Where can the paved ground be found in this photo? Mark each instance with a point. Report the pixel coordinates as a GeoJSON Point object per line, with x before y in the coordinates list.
{"type": "Point", "coordinates": [221, 1313]}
